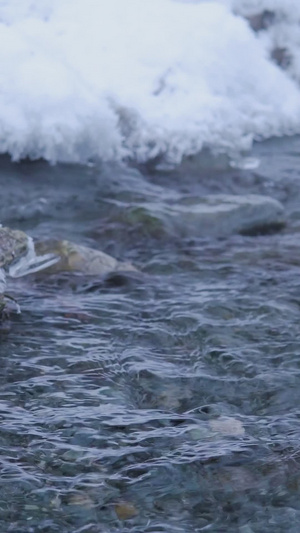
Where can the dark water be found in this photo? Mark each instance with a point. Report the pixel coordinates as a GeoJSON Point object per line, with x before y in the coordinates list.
{"type": "Point", "coordinates": [162, 402]}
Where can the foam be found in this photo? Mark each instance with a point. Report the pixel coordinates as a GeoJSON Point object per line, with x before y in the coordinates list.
{"type": "Point", "coordinates": [90, 79]}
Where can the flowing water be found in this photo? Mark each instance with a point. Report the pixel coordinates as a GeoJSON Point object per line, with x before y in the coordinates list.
{"type": "Point", "coordinates": [161, 401]}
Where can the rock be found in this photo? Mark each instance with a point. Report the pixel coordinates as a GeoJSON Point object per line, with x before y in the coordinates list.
{"type": "Point", "coordinates": [17, 255]}
{"type": "Point", "coordinates": [139, 216]}
{"type": "Point", "coordinates": [226, 425]}
{"type": "Point", "coordinates": [77, 258]}
{"type": "Point", "coordinates": [2, 282]}
{"type": "Point", "coordinates": [125, 510]}
{"type": "Point", "coordinates": [8, 306]}
{"type": "Point", "coordinates": [81, 499]}
{"type": "Point", "coordinates": [2, 304]}
{"type": "Point", "coordinates": [220, 215]}
{"type": "Point", "coordinates": [13, 245]}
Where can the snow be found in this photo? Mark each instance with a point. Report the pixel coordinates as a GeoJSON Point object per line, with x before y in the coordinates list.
{"type": "Point", "coordinates": [93, 79]}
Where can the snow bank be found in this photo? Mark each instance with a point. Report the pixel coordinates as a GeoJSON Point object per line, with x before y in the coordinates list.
{"type": "Point", "coordinates": [88, 79]}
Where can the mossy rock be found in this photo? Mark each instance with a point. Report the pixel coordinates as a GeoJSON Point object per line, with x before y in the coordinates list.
{"type": "Point", "coordinates": [77, 258]}
{"type": "Point", "coordinates": [147, 221]}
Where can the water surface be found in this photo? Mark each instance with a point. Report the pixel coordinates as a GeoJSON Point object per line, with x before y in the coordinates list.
{"type": "Point", "coordinates": [172, 396]}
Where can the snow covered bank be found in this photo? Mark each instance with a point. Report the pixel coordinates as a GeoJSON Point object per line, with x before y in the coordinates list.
{"type": "Point", "coordinates": [88, 79]}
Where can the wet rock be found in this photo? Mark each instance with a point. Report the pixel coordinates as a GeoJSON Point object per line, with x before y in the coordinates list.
{"type": "Point", "coordinates": [17, 255]}
{"type": "Point", "coordinates": [125, 510]}
{"type": "Point", "coordinates": [2, 304]}
{"type": "Point", "coordinates": [9, 305]}
{"type": "Point", "coordinates": [220, 215]}
{"type": "Point", "coordinates": [13, 244]}
{"type": "Point", "coordinates": [199, 433]}
{"type": "Point", "coordinates": [138, 216]}
{"type": "Point", "coordinates": [80, 499]}
{"type": "Point", "coordinates": [226, 425]}
{"type": "Point", "coordinates": [235, 478]}
{"type": "Point", "coordinates": [77, 258]}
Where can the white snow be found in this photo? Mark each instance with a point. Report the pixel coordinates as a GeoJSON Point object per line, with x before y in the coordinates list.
{"type": "Point", "coordinates": [108, 79]}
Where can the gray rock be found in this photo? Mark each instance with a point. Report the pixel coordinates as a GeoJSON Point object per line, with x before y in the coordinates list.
{"type": "Point", "coordinates": [76, 258]}
{"type": "Point", "coordinates": [219, 215]}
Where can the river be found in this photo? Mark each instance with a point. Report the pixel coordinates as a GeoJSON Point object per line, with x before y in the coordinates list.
{"type": "Point", "coordinates": [166, 401]}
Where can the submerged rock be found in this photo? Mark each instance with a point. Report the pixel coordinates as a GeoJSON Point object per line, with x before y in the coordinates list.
{"type": "Point", "coordinates": [226, 425]}
{"type": "Point", "coordinates": [76, 258]}
{"type": "Point", "coordinates": [220, 215]}
{"type": "Point", "coordinates": [125, 510]}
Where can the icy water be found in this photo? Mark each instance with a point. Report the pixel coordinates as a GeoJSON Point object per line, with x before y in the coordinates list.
{"type": "Point", "coordinates": [167, 401]}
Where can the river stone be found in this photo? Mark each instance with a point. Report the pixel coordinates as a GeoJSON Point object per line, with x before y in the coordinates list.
{"type": "Point", "coordinates": [226, 425]}
{"type": "Point", "coordinates": [77, 258]}
{"type": "Point", "coordinates": [125, 510]}
{"type": "Point", "coordinates": [220, 215]}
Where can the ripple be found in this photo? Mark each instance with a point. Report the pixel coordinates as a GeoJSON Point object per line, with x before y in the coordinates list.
{"type": "Point", "coordinates": [122, 392]}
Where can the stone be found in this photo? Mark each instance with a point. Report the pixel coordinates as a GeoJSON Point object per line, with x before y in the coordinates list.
{"type": "Point", "coordinates": [77, 258]}
{"type": "Point", "coordinates": [220, 215]}
{"type": "Point", "coordinates": [125, 510]}
{"type": "Point", "coordinates": [226, 425]}
{"type": "Point", "coordinates": [81, 499]}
